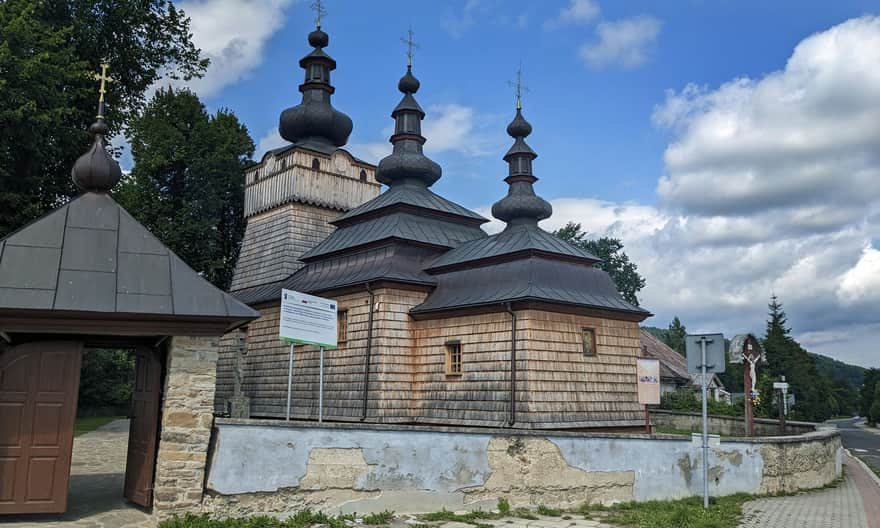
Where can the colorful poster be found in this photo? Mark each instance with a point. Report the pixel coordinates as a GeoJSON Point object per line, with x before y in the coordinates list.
{"type": "Point", "coordinates": [648, 371]}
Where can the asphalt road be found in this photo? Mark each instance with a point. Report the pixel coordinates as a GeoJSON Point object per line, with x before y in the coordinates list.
{"type": "Point", "coordinates": [860, 442]}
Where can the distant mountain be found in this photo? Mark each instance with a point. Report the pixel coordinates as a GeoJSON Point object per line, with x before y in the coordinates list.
{"type": "Point", "coordinates": [839, 370]}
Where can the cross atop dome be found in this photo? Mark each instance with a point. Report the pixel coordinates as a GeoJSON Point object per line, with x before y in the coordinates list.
{"type": "Point", "coordinates": [410, 45]}
{"type": "Point", "coordinates": [518, 87]}
{"type": "Point", "coordinates": [318, 7]}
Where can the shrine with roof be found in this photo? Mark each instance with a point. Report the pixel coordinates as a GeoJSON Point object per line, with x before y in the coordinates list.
{"type": "Point", "coordinates": [439, 322]}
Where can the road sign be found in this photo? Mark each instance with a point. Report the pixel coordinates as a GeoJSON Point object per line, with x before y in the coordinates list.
{"type": "Point", "coordinates": [781, 385]}
{"type": "Point", "coordinates": [648, 371]}
{"type": "Point", "coordinates": [714, 353]}
{"type": "Point", "coordinates": [308, 319]}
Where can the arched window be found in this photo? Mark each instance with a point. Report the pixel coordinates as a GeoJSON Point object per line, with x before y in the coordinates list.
{"type": "Point", "coordinates": [363, 175]}
{"type": "Point", "coordinates": [316, 165]}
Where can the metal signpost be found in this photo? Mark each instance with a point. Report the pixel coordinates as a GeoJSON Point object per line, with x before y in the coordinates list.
{"type": "Point", "coordinates": [309, 320]}
{"type": "Point", "coordinates": [648, 372]}
{"type": "Point", "coordinates": [705, 353]}
{"type": "Point", "coordinates": [782, 386]}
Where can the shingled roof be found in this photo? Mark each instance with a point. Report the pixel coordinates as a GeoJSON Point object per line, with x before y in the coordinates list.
{"type": "Point", "coordinates": [91, 256]}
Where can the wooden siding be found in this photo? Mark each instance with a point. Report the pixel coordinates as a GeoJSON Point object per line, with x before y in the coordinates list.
{"type": "Point", "coordinates": [564, 386]}
{"type": "Point", "coordinates": [274, 241]}
{"type": "Point", "coordinates": [291, 178]}
{"type": "Point", "coordinates": [557, 386]}
{"type": "Point", "coordinates": [481, 395]}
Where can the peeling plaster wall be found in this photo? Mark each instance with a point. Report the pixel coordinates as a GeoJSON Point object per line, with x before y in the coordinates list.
{"type": "Point", "coordinates": [277, 468]}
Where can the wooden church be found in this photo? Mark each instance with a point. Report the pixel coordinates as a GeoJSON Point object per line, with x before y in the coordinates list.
{"type": "Point", "coordinates": [438, 322]}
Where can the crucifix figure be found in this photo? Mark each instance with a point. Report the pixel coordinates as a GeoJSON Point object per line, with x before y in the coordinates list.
{"type": "Point", "coordinates": [104, 78]}
{"type": "Point", "coordinates": [518, 87]}
{"type": "Point", "coordinates": [318, 7]}
{"type": "Point", "coordinates": [753, 360]}
{"type": "Point", "coordinates": [410, 45]}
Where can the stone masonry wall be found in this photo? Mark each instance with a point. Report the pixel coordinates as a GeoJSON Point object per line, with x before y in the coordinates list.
{"type": "Point", "coordinates": [187, 418]}
{"type": "Point", "coordinates": [278, 468]}
{"type": "Point", "coordinates": [724, 425]}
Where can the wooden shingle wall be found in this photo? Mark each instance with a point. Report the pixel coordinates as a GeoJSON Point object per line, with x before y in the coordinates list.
{"type": "Point", "coordinates": [273, 242]}
{"type": "Point", "coordinates": [481, 395]}
{"type": "Point", "coordinates": [567, 388]}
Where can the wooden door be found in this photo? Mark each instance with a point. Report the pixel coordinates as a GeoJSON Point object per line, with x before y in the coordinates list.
{"type": "Point", "coordinates": [39, 383]}
{"type": "Point", "coordinates": [143, 430]}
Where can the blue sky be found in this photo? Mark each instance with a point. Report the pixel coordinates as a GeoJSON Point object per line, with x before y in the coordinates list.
{"type": "Point", "coordinates": [722, 141]}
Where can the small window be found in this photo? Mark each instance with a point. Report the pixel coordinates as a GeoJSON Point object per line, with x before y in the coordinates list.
{"type": "Point", "coordinates": [316, 164]}
{"type": "Point", "coordinates": [363, 175]}
{"type": "Point", "coordinates": [342, 326]}
{"type": "Point", "coordinates": [453, 358]}
{"type": "Point", "coordinates": [589, 339]}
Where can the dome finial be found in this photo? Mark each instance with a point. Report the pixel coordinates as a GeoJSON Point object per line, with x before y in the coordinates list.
{"type": "Point", "coordinates": [318, 7]}
{"type": "Point", "coordinates": [96, 170]}
{"type": "Point", "coordinates": [521, 206]}
{"type": "Point", "coordinates": [410, 45]}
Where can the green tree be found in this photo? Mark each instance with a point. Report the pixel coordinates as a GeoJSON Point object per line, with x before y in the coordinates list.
{"type": "Point", "coordinates": [785, 357]}
{"type": "Point", "coordinates": [874, 414]}
{"type": "Point", "coordinates": [187, 185]}
{"type": "Point", "coordinates": [106, 380]}
{"type": "Point", "coordinates": [49, 52]}
{"type": "Point", "coordinates": [675, 336]}
{"type": "Point", "coordinates": [623, 272]}
{"type": "Point", "coordinates": [868, 391]}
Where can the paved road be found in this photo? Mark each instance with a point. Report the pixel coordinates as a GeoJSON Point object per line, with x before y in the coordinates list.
{"type": "Point", "coordinates": [864, 444]}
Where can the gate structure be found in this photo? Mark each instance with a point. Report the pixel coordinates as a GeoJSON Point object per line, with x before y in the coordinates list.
{"type": "Point", "coordinates": [88, 274]}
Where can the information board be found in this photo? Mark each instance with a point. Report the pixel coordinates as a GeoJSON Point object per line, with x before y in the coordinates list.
{"type": "Point", "coordinates": [308, 319]}
{"type": "Point", "coordinates": [715, 363]}
{"type": "Point", "coordinates": [648, 371]}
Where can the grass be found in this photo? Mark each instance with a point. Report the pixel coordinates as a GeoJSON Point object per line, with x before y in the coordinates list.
{"type": "Point", "coordinates": [549, 512]}
{"type": "Point", "coordinates": [376, 519]}
{"type": "Point", "coordinates": [85, 425]}
{"type": "Point", "coordinates": [302, 519]}
{"type": "Point", "coordinates": [723, 512]}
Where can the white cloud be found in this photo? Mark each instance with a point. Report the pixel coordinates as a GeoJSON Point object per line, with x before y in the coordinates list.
{"type": "Point", "coordinates": [448, 128]}
{"type": "Point", "coordinates": [625, 42]}
{"type": "Point", "coordinates": [233, 34]}
{"type": "Point", "coordinates": [271, 140]}
{"type": "Point", "coordinates": [772, 185]}
{"type": "Point", "coordinates": [577, 12]}
{"type": "Point", "coordinates": [456, 23]}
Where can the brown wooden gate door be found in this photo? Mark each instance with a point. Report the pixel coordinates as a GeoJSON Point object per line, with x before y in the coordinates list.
{"type": "Point", "coordinates": [39, 383]}
{"type": "Point", "coordinates": [144, 427]}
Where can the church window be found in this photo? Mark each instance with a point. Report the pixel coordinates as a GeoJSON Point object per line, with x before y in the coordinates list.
{"type": "Point", "coordinates": [453, 358]}
{"type": "Point", "coordinates": [363, 175]}
{"type": "Point", "coordinates": [342, 326]}
{"type": "Point", "coordinates": [589, 341]}
{"type": "Point", "coordinates": [316, 164]}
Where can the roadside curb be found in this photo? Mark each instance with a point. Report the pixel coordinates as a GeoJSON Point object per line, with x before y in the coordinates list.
{"type": "Point", "coordinates": [863, 427]}
{"type": "Point", "coordinates": [868, 470]}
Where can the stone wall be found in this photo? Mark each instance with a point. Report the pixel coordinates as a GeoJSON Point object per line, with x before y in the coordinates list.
{"type": "Point", "coordinates": [725, 425]}
{"type": "Point", "coordinates": [185, 431]}
{"type": "Point", "coordinates": [278, 468]}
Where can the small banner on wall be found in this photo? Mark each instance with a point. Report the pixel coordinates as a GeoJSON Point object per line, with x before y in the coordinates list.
{"type": "Point", "coordinates": [648, 371]}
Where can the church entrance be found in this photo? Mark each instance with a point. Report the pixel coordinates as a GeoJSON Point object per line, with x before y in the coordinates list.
{"type": "Point", "coordinates": [39, 385]}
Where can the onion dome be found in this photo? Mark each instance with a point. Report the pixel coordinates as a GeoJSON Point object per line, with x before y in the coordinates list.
{"type": "Point", "coordinates": [521, 205]}
{"type": "Point", "coordinates": [407, 163]}
{"type": "Point", "coordinates": [96, 170]}
{"type": "Point", "coordinates": [314, 121]}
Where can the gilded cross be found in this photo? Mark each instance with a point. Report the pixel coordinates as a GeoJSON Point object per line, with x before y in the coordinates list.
{"type": "Point", "coordinates": [410, 44]}
{"type": "Point", "coordinates": [318, 7]}
{"type": "Point", "coordinates": [104, 78]}
{"type": "Point", "coordinates": [518, 87]}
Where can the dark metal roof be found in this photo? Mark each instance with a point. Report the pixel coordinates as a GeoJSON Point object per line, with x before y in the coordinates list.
{"type": "Point", "coordinates": [533, 278]}
{"type": "Point", "coordinates": [414, 196]}
{"type": "Point", "coordinates": [514, 239]}
{"type": "Point", "coordinates": [392, 262]}
{"type": "Point", "coordinates": [404, 226]}
{"type": "Point", "coordinates": [92, 256]}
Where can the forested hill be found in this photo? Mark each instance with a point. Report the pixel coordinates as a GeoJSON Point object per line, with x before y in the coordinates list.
{"type": "Point", "coordinates": [839, 370]}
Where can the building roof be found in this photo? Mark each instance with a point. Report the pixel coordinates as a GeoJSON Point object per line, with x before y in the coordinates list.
{"type": "Point", "coordinates": [672, 364]}
{"type": "Point", "coordinates": [90, 255]}
{"type": "Point", "coordinates": [513, 240]}
{"type": "Point", "coordinates": [528, 279]}
{"type": "Point", "coordinates": [403, 226]}
{"type": "Point", "coordinates": [410, 195]}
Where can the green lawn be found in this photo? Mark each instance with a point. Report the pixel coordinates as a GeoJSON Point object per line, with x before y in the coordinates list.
{"type": "Point", "coordinates": [84, 425]}
{"type": "Point", "coordinates": [723, 512]}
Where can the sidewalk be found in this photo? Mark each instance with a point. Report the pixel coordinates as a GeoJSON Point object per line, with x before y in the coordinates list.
{"type": "Point", "coordinates": [855, 503]}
